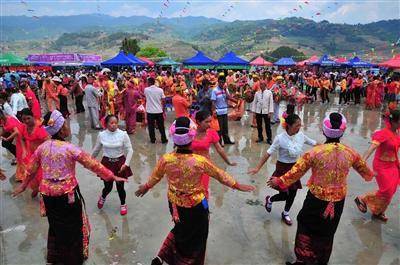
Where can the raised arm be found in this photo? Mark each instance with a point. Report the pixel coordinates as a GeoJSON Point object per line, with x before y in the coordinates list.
{"type": "Point", "coordinates": [12, 135]}
{"type": "Point", "coordinates": [155, 177]}
{"type": "Point", "coordinates": [309, 141]}
{"type": "Point", "coordinates": [97, 147]}
{"type": "Point", "coordinates": [96, 167]}
{"type": "Point", "coordinates": [361, 167]}
{"type": "Point", "coordinates": [222, 154]}
{"type": "Point", "coordinates": [370, 150]}
{"type": "Point", "coordinates": [272, 149]}
{"type": "Point", "coordinates": [32, 168]}
{"type": "Point", "coordinates": [128, 149]}
{"type": "Point", "coordinates": [298, 170]}
{"type": "Point", "coordinates": [223, 177]}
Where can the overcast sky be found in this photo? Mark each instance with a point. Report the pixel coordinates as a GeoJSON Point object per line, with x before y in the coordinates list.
{"type": "Point", "coordinates": [340, 11]}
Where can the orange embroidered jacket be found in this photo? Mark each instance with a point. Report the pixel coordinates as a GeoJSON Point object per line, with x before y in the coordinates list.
{"type": "Point", "coordinates": [183, 172]}
{"type": "Point", "coordinates": [330, 165]}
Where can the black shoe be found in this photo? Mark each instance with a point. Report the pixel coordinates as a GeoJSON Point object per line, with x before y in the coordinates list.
{"type": "Point", "coordinates": [269, 142]}
{"type": "Point", "coordinates": [157, 261]}
{"type": "Point", "coordinates": [230, 142]}
{"type": "Point", "coordinates": [153, 142]}
{"type": "Point", "coordinates": [260, 141]}
{"type": "Point", "coordinates": [164, 141]}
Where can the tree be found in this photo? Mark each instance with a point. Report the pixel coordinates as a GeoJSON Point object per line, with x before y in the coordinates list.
{"type": "Point", "coordinates": [285, 51]}
{"type": "Point", "coordinates": [151, 52]}
{"type": "Point", "coordinates": [130, 46]}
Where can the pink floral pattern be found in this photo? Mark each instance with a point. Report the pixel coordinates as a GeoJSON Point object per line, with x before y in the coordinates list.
{"type": "Point", "coordinates": [58, 159]}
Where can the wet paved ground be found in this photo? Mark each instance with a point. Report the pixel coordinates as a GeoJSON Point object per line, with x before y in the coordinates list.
{"type": "Point", "coordinates": [241, 231]}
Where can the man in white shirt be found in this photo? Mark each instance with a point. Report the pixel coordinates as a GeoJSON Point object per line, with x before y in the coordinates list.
{"type": "Point", "coordinates": [154, 109]}
{"type": "Point", "coordinates": [264, 108]}
{"type": "Point", "coordinates": [18, 101]}
{"type": "Point", "coordinates": [5, 107]}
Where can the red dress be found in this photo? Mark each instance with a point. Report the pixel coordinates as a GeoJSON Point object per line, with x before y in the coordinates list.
{"type": "Point", "coordinates": [202, 147]}
{"type": "Point", "coordinates": [373, 95]}
{"type": "Point", "coordinates": [9, 126]}
{"type": "Point", "coordinates": [386, 166]}
{"type": "Point", "coordinates": [32, 142]}
{"type": "Point", "coordinates": [33, 104]}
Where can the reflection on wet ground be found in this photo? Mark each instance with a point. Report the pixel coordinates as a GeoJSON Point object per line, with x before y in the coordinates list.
{"type": "Point", "coordinates": [241, 232]}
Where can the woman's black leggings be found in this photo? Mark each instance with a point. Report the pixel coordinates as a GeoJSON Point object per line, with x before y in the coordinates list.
{"type": "Point", "coordinates": [108, 185]}
{"type": "Point", "coordinates": [287, 196]}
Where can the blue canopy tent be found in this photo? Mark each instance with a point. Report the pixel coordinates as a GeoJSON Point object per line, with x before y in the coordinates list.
{"type": "Point", "coordinates": [285, 61]}
{"type": "Point", "coordinates": [325, 61]}
{"type": "Point", "coordinates": [199, 61]}
{"type": "Point", "coordinates": [358, 63]}
{"type": "Point", "coordinates": [231, 61]}
{"type": "Point", "coordinates": [168, 62]}
{"type": "Point", "coordinates": [137, 60]}
{"type": "Point", "coordinates": [119, 60]}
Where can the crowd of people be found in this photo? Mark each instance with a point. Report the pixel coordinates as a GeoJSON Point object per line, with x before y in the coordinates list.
{"type": "Point", "coordinates": [35, 108]}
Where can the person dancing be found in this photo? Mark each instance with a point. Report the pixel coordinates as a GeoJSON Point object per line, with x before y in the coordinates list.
{"type": "Point", "coordinates": [386, 142]}
{"type": "Point", "coordinates": [33, 135]}
{"type": "Point", "coordinates": [186, 243]}
{"type": "Point", "coordinates": [12, 129]}
{"type": "Point", "coordinates": [289, 146]}
{"type": "Point", "coordinates": [205, 137]}
{"type": "Point", "coordinates": [62, 202]}
{"type": "Point", "coordinates": [114, 142]}
{"type": "Point", "coordinates": [319, 217]}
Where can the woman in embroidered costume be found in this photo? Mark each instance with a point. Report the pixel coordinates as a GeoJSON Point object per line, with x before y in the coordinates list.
{"type": "Point", "coordinates": [205, 137]}
{"type": "Point", "coordinates": [186, 243]}
{"type": "Point", "coordinates": [386, 142]}
{"type": "Point", "coordinates": [69, 229]}
{"type": "Point", "coordinates": [289, 146]}
{"type": "Point", "coordinates": [33, 135]}
{"type": "Point", "coordinates": [319, 218]}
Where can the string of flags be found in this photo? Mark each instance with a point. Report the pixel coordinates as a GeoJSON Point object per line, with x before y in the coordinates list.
{"type": "Point", "coordinates": [98, 6]}
{"type": "Point", "coordinates": [228, 10]}
{"type": "Point", "coordinates": [184, 10]}
{"type": "Point", "coordinates": [164, 7]}
{"type": "Point", "coordinates": [30, 10]}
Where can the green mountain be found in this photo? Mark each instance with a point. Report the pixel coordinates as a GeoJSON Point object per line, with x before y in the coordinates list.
{"type": "Point", "coordinates": [180, 37]}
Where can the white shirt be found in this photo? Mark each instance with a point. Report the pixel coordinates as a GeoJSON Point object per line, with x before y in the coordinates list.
{"type": "Point", "coordinates": [113, 145]}
{"type": "Point", "coordinates": [7, 109]}
{"type": "Point", "coordinates": [289, 147]}
{"type": "Point", "coordinates": [263, 102]}
{"type": "Point", "coordinates": [18, 102]}
{"type": "Point", "coordinates": [154, 95]}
